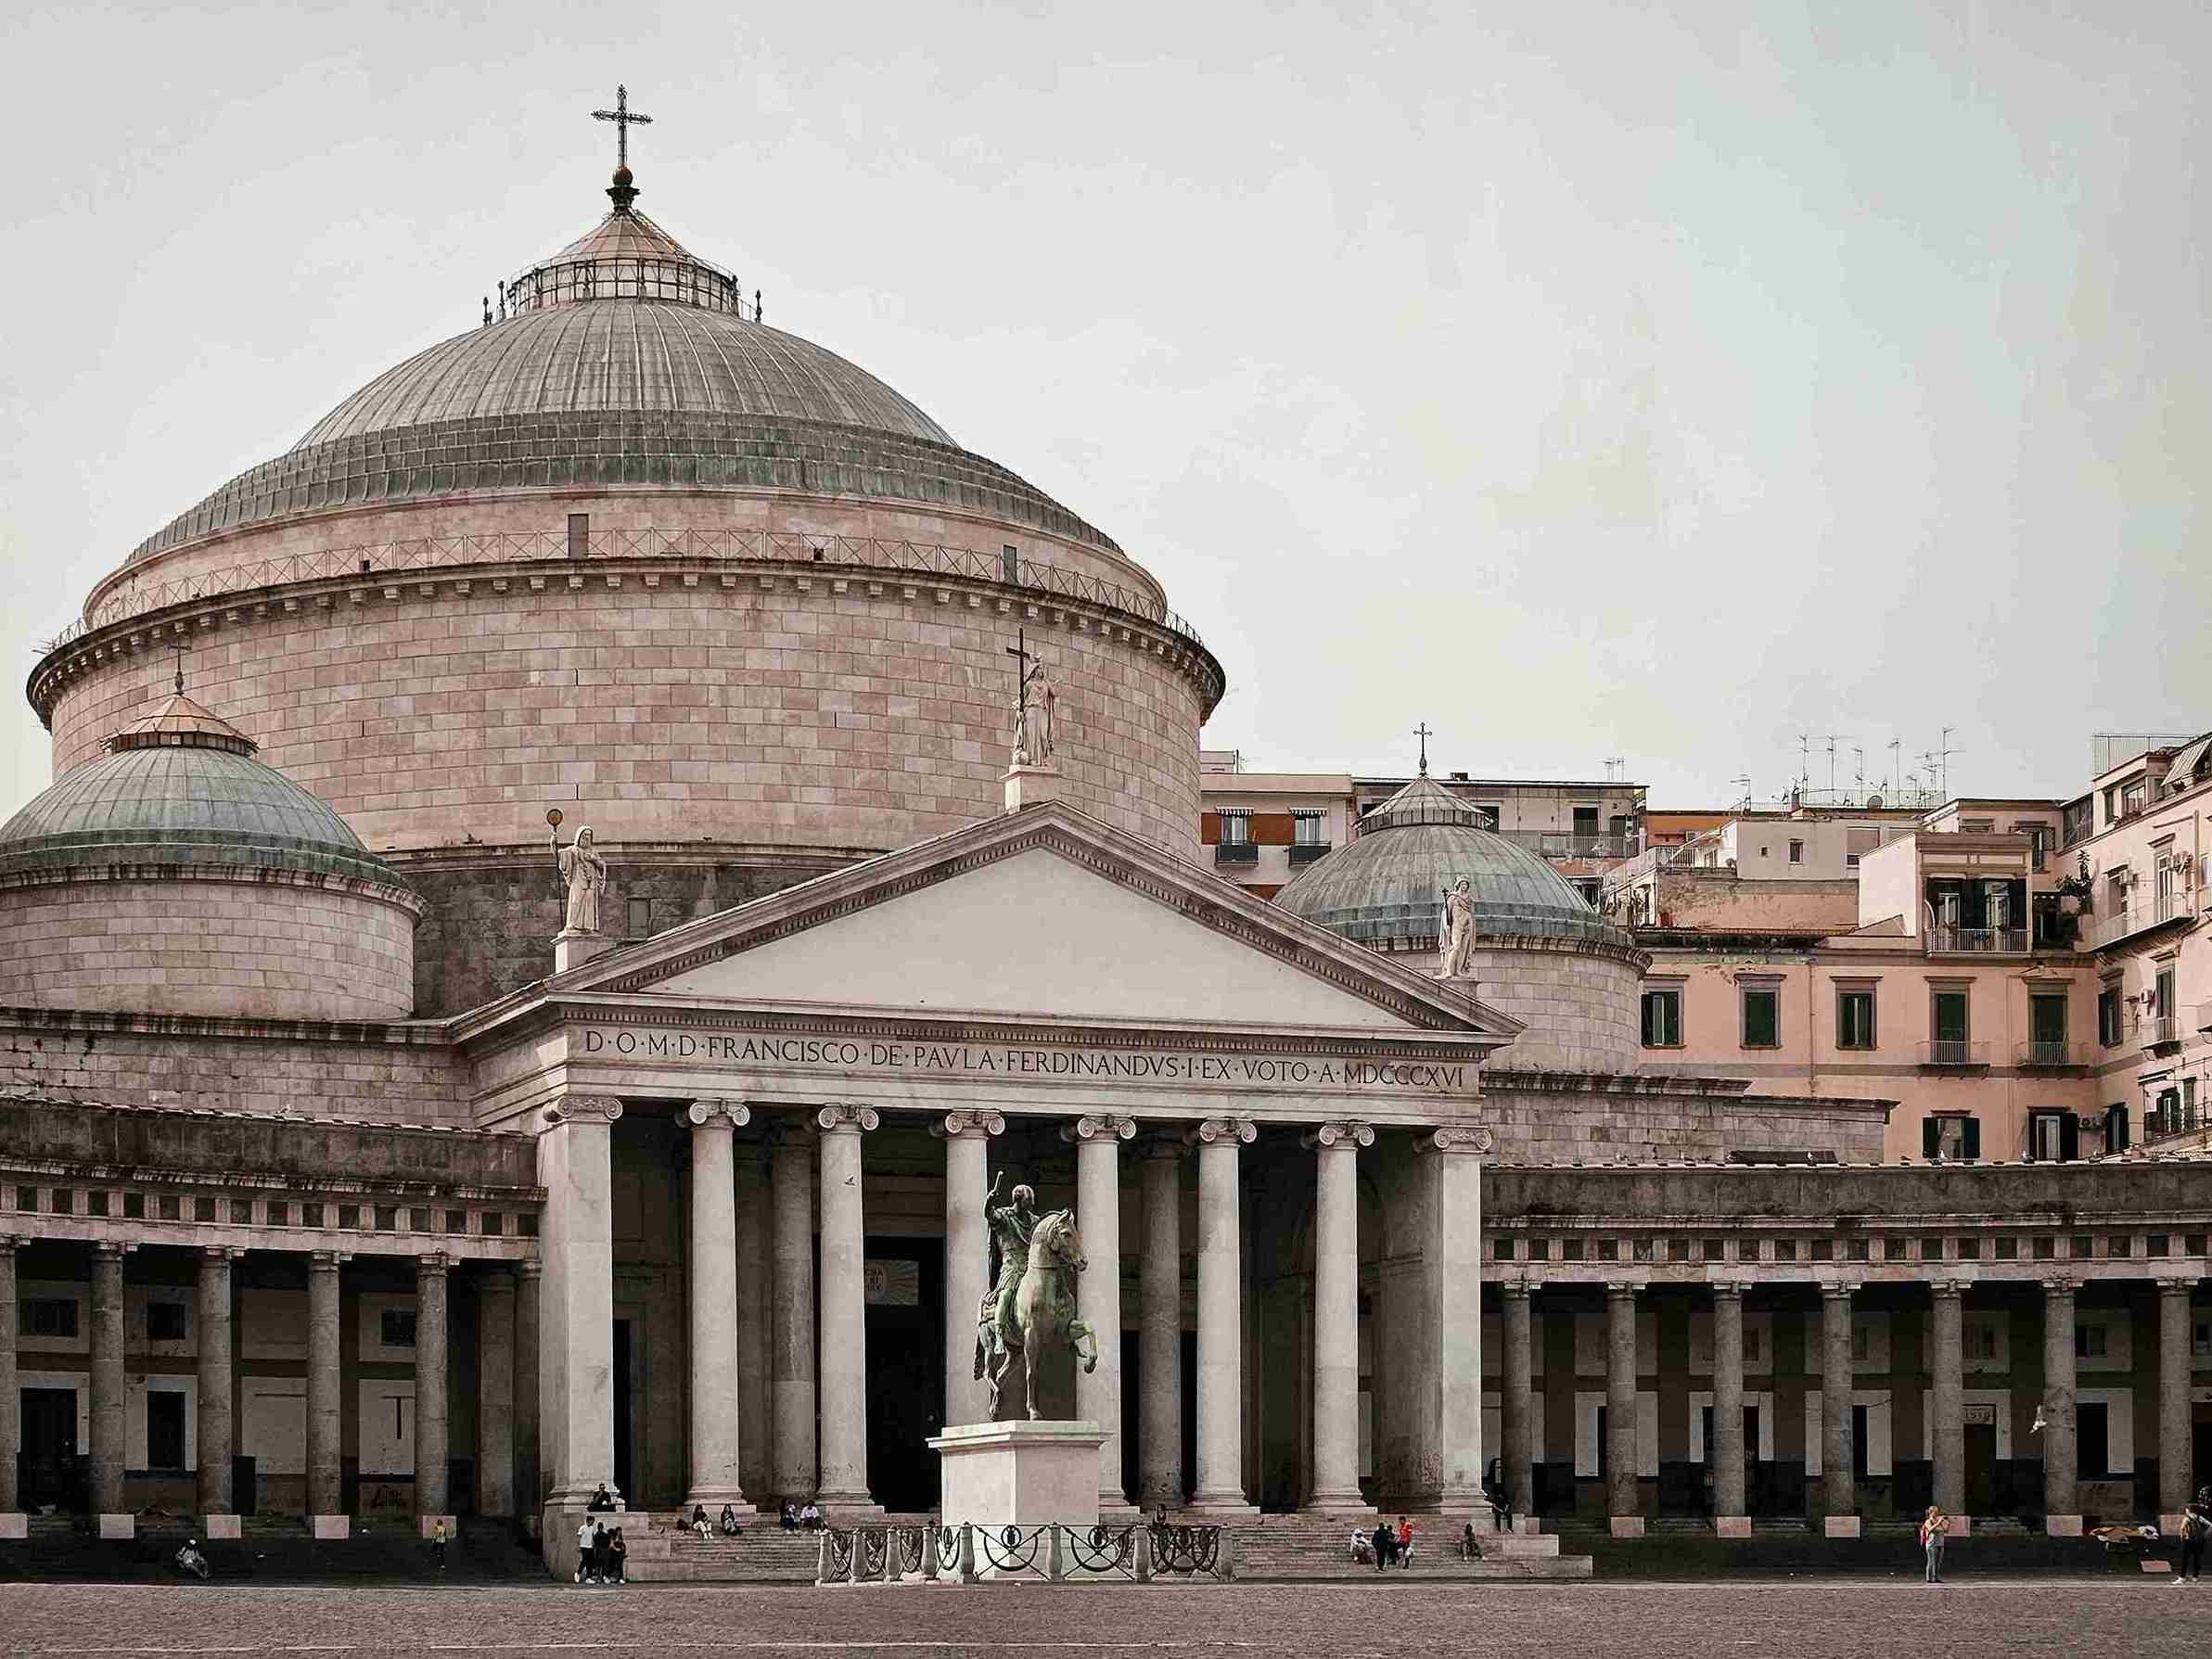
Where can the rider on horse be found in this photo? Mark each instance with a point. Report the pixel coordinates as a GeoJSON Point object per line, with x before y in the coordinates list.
{"type": "Point", "coordinates": [1011, 1225]}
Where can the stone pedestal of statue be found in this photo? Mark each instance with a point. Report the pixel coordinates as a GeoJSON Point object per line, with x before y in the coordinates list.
{"type": "Point", "coordinates": [572, 950]}
{"type": "Point", "coordinates": [1031, 786]}
{"type": "Point", "coordinates": [1001, 1474]}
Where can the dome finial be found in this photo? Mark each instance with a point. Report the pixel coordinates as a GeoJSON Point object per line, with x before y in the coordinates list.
{"type": "Point", "coordinates": [1424, 734]}
{"type": "Point", "coordinates": [624, 189]}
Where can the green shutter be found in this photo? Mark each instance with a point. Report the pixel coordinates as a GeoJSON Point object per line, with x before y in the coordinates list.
{"type": "Point", "coordinates": [1931, 1137]}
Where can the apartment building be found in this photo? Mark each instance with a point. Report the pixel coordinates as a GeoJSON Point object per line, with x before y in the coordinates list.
{"type": "Point", "coordinates": [2028, 978]}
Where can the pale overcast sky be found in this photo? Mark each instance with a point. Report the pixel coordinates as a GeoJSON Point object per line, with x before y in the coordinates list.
{"type": "Point", "coordinates": [1652, 381]}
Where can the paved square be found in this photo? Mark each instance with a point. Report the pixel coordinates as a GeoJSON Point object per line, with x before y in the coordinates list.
{"type": "Point", "coordinates": [1801, 1619]}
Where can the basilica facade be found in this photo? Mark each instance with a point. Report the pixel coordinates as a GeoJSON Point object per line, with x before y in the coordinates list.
{"type": "Point", "coordinates": [346, 1167]}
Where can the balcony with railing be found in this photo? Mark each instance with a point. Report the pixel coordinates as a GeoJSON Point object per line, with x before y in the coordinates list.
{"type": "Point", "coordinates": [2049, 1054]}
{"type": "Point", "coordinates": [1954, 1053]}
{"type": "Point", "coordinates": [2100, 932]}
{"type": "Point", "coordinates": [1306, 852]}
{"type": "Point", "coordinates": [1977, 941]}
{"type": "Point", "coordinates": [1236, 852]}
{"type": "Point", "coordinates": [2159, 1030]}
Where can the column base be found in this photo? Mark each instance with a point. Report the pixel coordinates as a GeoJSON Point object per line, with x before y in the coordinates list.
{"type": "Point", "coordinates": [1338, 1506]}
{"type": "Point", "coordinates": [1839, 1526]}
{"type": "Point", "coordinates": [15, 1526]}
{"type": "Point", "coordinates": [1626, 1527]}
{"type": "Point", "coordinates": [1222, 1506]}
{"type": "Point", "coordinates": [2062, 1527]}
{"type": "Point", "coordinates": [216, 1528]}
{"type": "Point", "coordinates": [118, 1527]}
{"type": "Point", "coordinates": [1732, 1527]}
{"type": "Point", "coordinates": [849, 1507]}
{"type": "Point", "coordinates": [331, 1527]}
{"type": "Point", "coordinates": [1117, 1511]}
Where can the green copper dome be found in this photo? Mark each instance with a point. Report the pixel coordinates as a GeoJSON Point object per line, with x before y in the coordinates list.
{"type": "Point", "coordinates": [182, 787]}
{"type": "Point", "coordinates": [1387, 888]}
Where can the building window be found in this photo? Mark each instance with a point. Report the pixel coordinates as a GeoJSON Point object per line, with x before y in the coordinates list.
{"type": "Point", "coordinates": [51, 1317]}
{"type": "Point", "coordinates": [1797, 852]}
{"type": "Point", "coordinates": [2047, 1028]}
{"type": "Point", "coordinates": [2053, 1136]}
{"type": "Point", "coordinates": [165, 1321]}
{"type": "Point", "coordinates": [397, 1327]}
{"type": "Point", "coordinates": [1237, 829]}
{"type": "Point", "coordinates": [1948, 1027]}
{"type": "Point", "coordinates": [1662, 1019]}
{"type": "Point", "coordinates": [1305, 829]}
{"type": "Point", "coordinates": [641, 917]}
{"type": "Point", "coordinates": [2116, 1128]}
{"type": "Point", "coordinates": [2109, 1017]}
{"type": "Point", "coordinates": [2039, 845]}
{"type": "Point", "coordinates": [1950, 1135]}
{"type": "Point", "coordinates": [1854, 1019]}
{"type": "Point", "coordinates": [164, 1428]}
{"type": "Point", "coordinates": [1762, 1019]}
{"type": "Point", "coordinates": [2132, 797]}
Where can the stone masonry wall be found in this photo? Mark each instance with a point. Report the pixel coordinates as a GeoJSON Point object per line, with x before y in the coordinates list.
{"type": "Point", "coordinates": [1581, 1007]}
{"type": "Point", "coordinates": [1555, 1119]}
{"type": "Point", "coordinates": [655, 704]}
{"type": "Point", "coordinates": [233, 948]}
{"type": "Point", "coordinates": [367, 1074]}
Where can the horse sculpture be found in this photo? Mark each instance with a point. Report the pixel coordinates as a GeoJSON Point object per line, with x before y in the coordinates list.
{"type": "Point", "coordinates": [1042, 1315]}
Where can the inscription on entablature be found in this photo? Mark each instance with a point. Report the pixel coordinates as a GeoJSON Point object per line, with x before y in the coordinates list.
{"type": "Point", "coordinates": [1002, 1061]}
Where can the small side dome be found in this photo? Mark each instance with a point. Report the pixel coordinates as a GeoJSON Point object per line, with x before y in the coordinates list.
{"type": "Point", "coordinates": [179, 874]}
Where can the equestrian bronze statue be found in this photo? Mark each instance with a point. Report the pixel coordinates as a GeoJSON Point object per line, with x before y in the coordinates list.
{"type": "Point", "coordinates": [1029, 1308]}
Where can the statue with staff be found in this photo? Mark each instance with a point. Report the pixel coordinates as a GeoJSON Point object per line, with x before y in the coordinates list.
{"type": "Point", "coordinates": [1029, 1308]}
{"type": "Point", "coordinates": [1036, 707]}
{"type": "Point", "coordinates": [583, 876]}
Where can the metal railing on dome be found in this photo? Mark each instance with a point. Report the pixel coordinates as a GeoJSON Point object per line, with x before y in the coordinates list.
{"type": "Point", "coordinates": [384, 560]}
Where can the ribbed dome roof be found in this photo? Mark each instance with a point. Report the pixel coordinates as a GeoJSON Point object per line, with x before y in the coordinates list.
{"type": "Point", "coordinates": [1389, 884]}
{"type": "Point", "coordinates": [180, 788]}
{"type": "Point", "coordinates": [624, 359]}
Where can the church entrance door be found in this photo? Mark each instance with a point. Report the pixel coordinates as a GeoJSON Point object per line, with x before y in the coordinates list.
{"type": "Point", "coordinates": [50, 1473]}
{"type": "Point", "coordinates": [906, 1389]}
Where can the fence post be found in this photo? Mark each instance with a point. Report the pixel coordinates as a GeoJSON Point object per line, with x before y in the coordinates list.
{"type": "Point", "coordinates": [1141, 1552]}
{"type": "Point", "coordinates": [1225, 1557]}
{"type": "Point", "coordinates": [968, 1552]}
{"type": "Point", "coordinates": [1056, 1568]}
{"type": "Point", "coordinates": [855, 1573]}
{"type": "Point", "coordinates": [822, 1557]}
{"type": "Point", "coordinates": [929, 1532]}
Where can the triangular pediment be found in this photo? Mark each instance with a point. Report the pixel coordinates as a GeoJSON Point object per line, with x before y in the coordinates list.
{"type": "Point", "coordinates": [1043, 914]}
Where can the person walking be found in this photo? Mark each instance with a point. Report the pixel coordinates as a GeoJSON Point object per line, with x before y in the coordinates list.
{"type": "Point", "coordinates": [1935, 1526]}
{"type": "Point", "coordinates": [440, 1538]}
{"type": "Point", "coordinates": [586, 1568]}
{"type": "Point", "coordinates": [2196, 1528]}
{"type": "Point", "coordinates": [1405, 1542]}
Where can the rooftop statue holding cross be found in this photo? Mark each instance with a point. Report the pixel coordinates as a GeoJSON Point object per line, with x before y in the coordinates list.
{"type": "Point", "coordinates": [1036, 708]}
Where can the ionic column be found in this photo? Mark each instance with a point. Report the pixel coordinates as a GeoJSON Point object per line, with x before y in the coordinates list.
{"type": "Point", "coordinates": [754, 1339]}
{"type": "Point", "coordinates": [108, 1452]}
{"type": "Point", "coordinates": [11, 1402]}
{"type": "Point", "coordinates": [431, 1499]}
{"type": "Point", "coordinates": [1453, 1269]}
{"type": "Point", "coordinates": [1623, 1507]}
{"type": "Point", "coordinates": [1839, 1489]}
{"type": "Point", "coordinates": [1731, 1513]}
{"type": "Point", "coordinates": [792, 1332]}
{"type": "Point", "coordinates": [2062, 1503]}
{"type": "Point", "coordinates": [1516, 1401]}
{"type": "Point", "coordinates": [1159, 1351]}
{"type": "Point", "coordinates": [576, 1310]}
{"type": "Point", "coordinates": [2176, 1451]}
{"type": "Point", "coordinates": [714, 1274]}
{"type": "Point", "coordinates": [1220, 1317]}
{"type": "Point", "coordinates": [966, 1136]}
{"type": "Point", "coordinates": [495, 1391]}
{"type": "Point", "coordinates": [843, 1369]}
{"type": "Point", "coordinates": [217, 1439]}
{"type": "Point", "coordinates": [1947, 1386]}
{"type": "Point", "coordinates": [1098, 1290]}
{"type": "Point", "coordinates": [528, 1489]}
{"type": "Point", "coordinates": [1337, 1317]}
{"type": "Point", "coordinates": [323, 1454]}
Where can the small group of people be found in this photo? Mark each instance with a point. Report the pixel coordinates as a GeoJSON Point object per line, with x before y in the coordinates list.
{"type": "Point", "coordinates": [1386, 1546]}
{"type": "Point", "coordinates": [801, 1517]}
{"type": "Point", "coordinates": [601, 1553]}
{"type": "Point", "coordinates": [2196, 1530]}
{"type": "Point", "coordinates": [727, 1525]}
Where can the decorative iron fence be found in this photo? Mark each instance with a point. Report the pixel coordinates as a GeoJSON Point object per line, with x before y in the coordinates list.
{"type": "Point", "coordinates": [968, 1554]}
{"type": "Point", "coordinates": [384, 561]}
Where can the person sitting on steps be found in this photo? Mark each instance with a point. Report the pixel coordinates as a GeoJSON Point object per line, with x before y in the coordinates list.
{"type": "Point", "coordinates": [699, 1524]}
{"type": "Point", "coordinates": [728, 1523]}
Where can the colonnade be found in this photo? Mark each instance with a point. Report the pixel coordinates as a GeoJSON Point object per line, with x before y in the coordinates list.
{"type": "Point", "coordinates": [811, 1355]}
{"type": "Point", "coordinates": [1946, 1428]}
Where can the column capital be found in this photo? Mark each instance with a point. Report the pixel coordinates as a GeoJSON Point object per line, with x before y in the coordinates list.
{"type": "Point", "coordinates": [211, 1253]}
{"type": "Point", "coordinates": [7, 1243]}
{"type": "Point", "coordinates": [1836, 1290]}
{"type": "Point", "coordinates": [1091, 1127]}
{"type": "Point", "coordinates": [1514, 1289]}
{"type": "Point", "coordinates": [846, 1119]}
{"type": "Point", "coordinates": [1951, 1288]}
{"type": "Point", "coordinates": [2057, 1286]}
{"type": "Point", "coordinates": [727, 1115]}
{"type": "Point", "coordinates": [583, 1107]}
{"type": "Point", "coordinates": [1332, 1134]}
{"type": "Point", "coordinates": [1730, 1288]}
{"type": "Point", "coordinates": [525, 1270]}
{"type": "Point", "coordinates": [975, 1126]}
{"type": "Point", "coordinates": [1621, 1289]}
{"type": "Point", "coordinates": [327, 1262]}
{"type": "Point", "coordinates": [2169, 1284]}
{"type": "Point", "coordinates": [113, 1249]}
{"type": "Point", "coordinates": [1210, 1131]}
{"type": "Point", "coordinates": [1472, 1139]}
{"type": "Point", "coordinates": [432, 1265]}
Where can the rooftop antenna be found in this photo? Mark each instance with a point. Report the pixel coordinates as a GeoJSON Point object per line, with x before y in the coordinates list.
{"type": "Point", "coordinates": [1896, 774]}
{"type": "Point", "coordinates": [1424, 734]}
{"type": "Point", "coordinates": [1805, 758]}
{"type": "Point", "coordinates": [1832, 739]}
{"type": "Point", "coordinates": [1615, 766]}
{"type": "Point", "coordinates": [1744, 779]}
